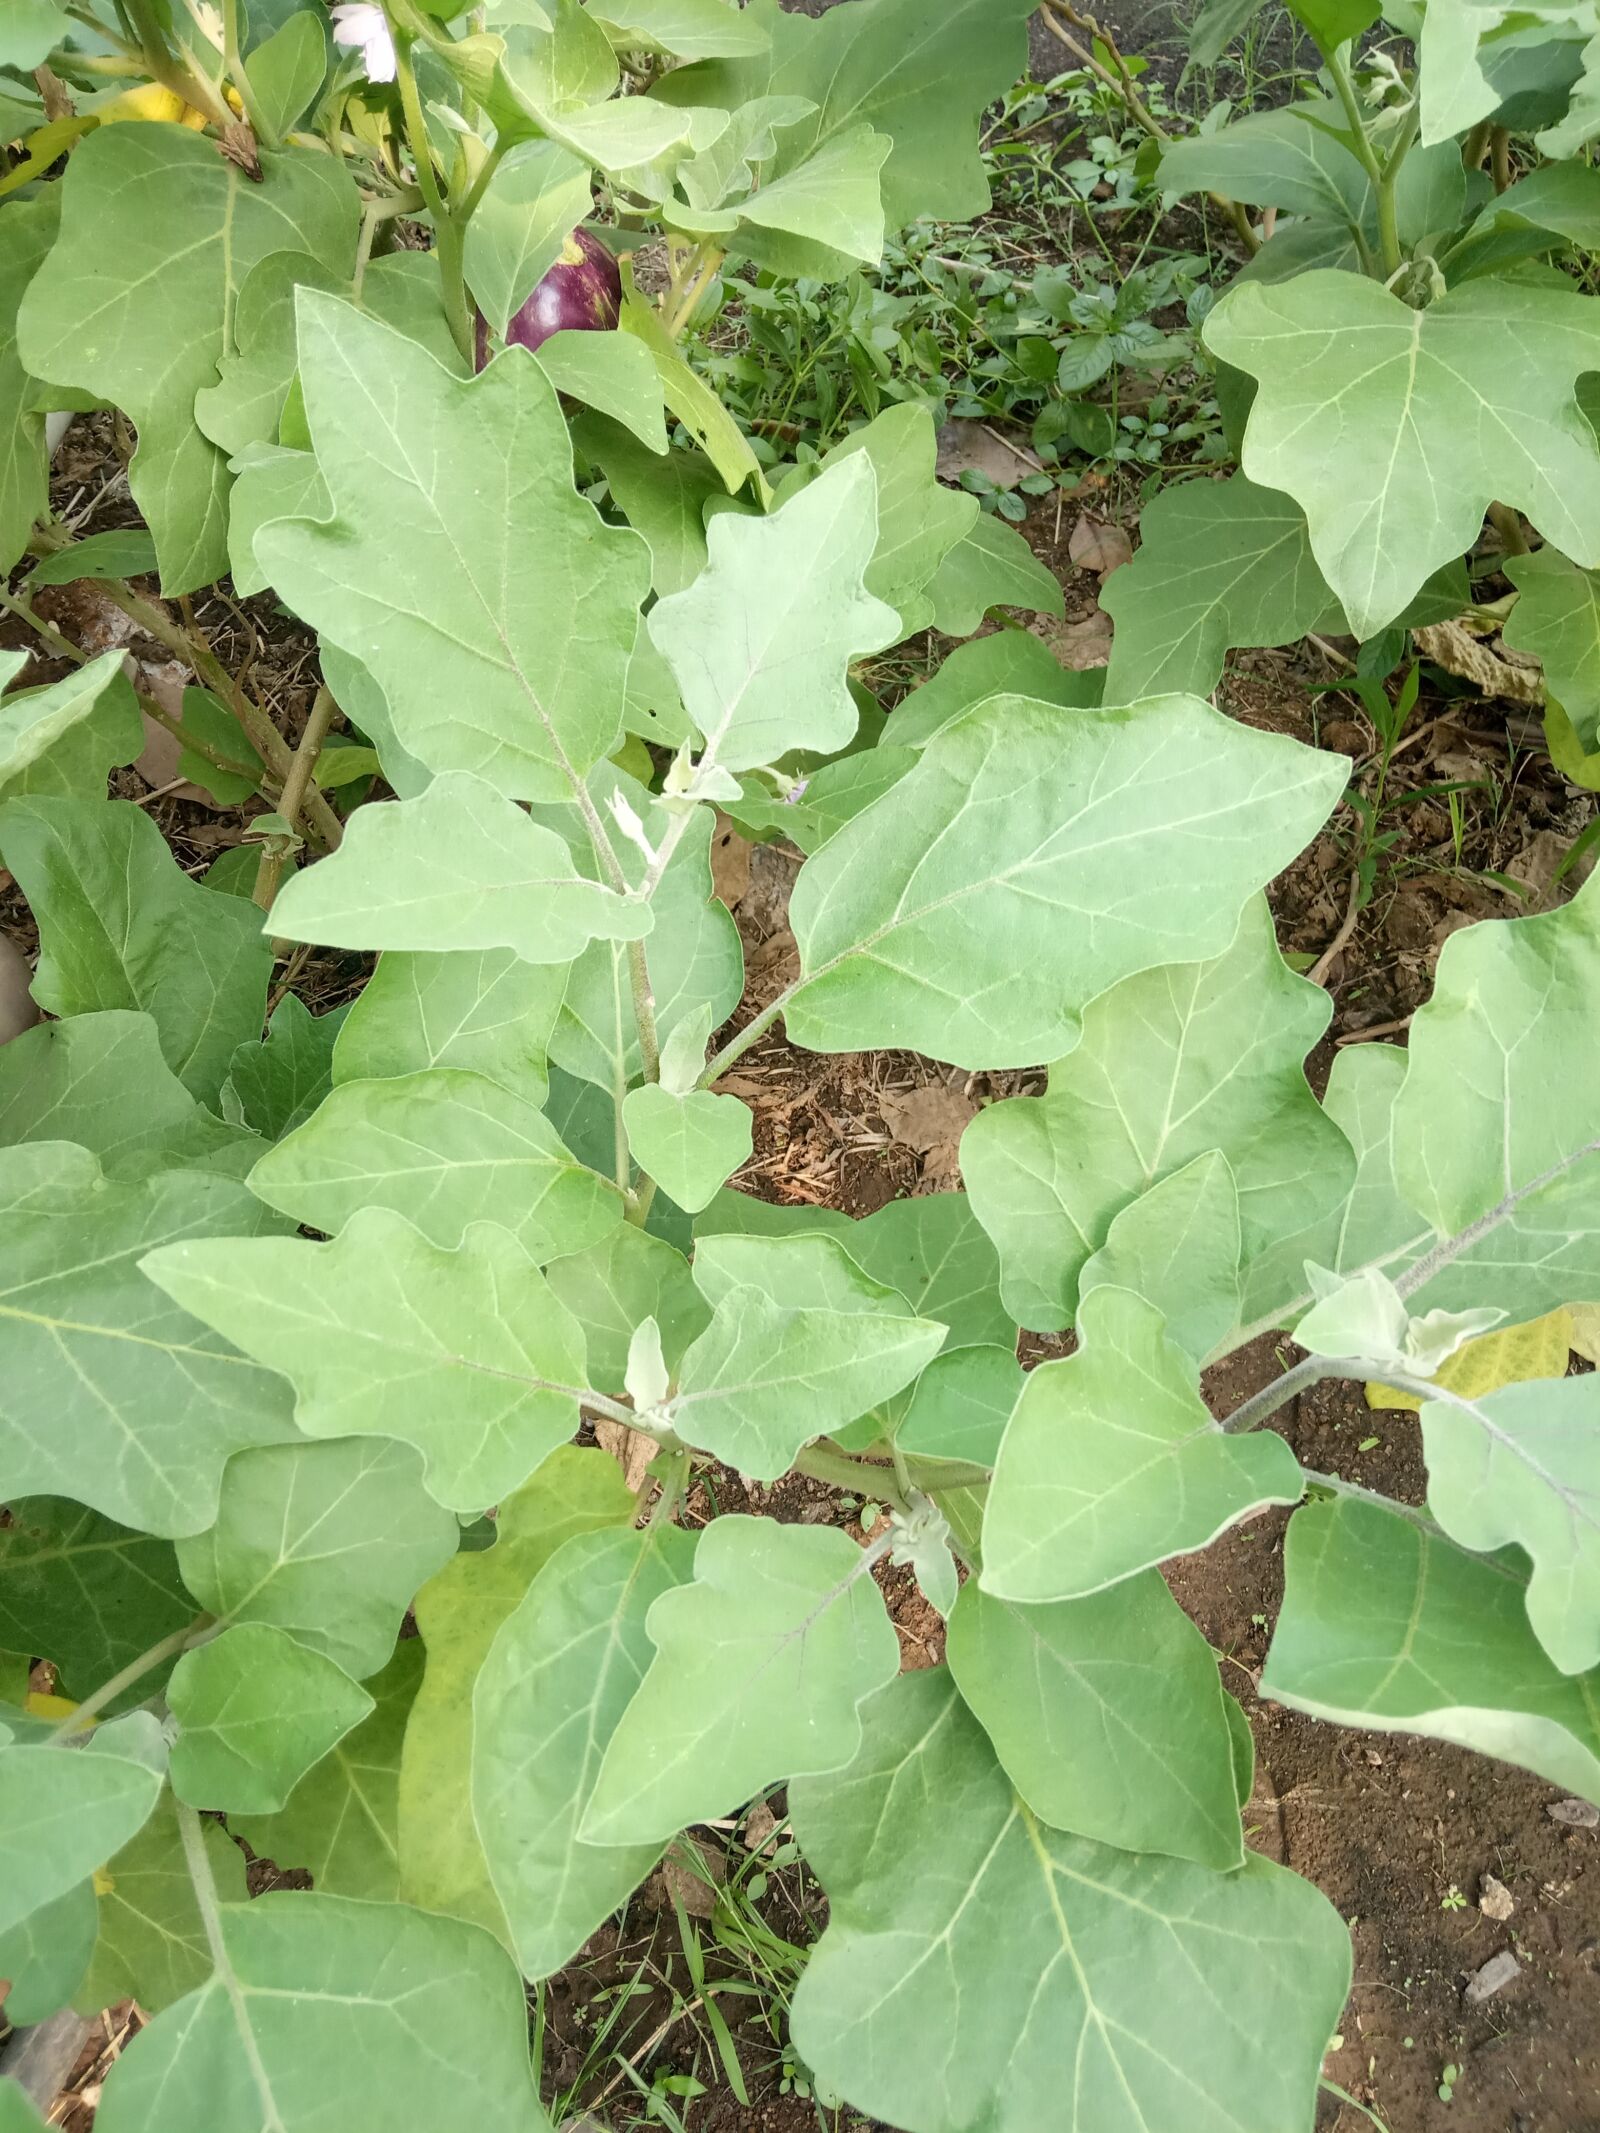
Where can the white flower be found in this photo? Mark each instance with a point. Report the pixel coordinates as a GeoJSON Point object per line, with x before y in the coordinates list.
{"type": "Point", "coordinates": [362, 27]}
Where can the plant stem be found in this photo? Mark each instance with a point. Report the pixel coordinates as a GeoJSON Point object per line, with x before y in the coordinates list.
{"type": "Point", "coordinates": [295, 786]}
{"type": "Point", "coordinates": [1388, 226]}
{"type": "Point", "coordinates": [447, 233]}
{"type": "Point", "coordinates": [703, 260]}
{"type": "Point", "coordinates": [1500, 157]}
{"type": "Point", "coordinates": [756, 1028]}
{"type": "Point", "coordinates": [181, 80]}
{"type": "Point", "coordinates": [1278, 1394]}
{"type": "Point", "coordinates": [480, 184]}
{"type": "Point", "coordinates": [1353, 1489]}
{"type": "Point", "coordinates": [58, 644]}
{"type": "Point", "coordinates": [1361, 146]}
{"type": "Point", "coordinates": [239, 75]}
{"type": "Point", "coordinates": [199, 1631]}
{"type": "Point", "coordinates": [862, 1476]}
{"type": "Point", "coordinates": [1452, 1247]}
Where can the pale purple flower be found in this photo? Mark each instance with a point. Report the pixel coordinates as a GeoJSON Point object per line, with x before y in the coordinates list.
{"type": "Point", "coordinates": [361, 26]}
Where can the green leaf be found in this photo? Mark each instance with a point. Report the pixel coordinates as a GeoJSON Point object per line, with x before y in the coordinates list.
{"type": "Point", "coordinates": [24, 468]}
{"type": "Point", "coordinates": [922, 77]}
{"type": "Point", "coordinates": [691, 399]}
{"type": "Point", "coordinates": [919, 521]}
{"type": "Point", "coordinates": [687, 29]}
{"type": "Point", "coordinates": [1557, 618]}
{"type": "Point", "coordinates": [445, 1149]}
{"type": "Point", "coordinates": [112, 1395]}
{"type": "Point", "coordinates": [1177, 1246]}
{"type": "Point", "coordinates": [535, 199]}
{"type": "Point", "coordinates": [326, 1541]}
{"type": "Point", "coordinates": [286, 71]}
{"type": "Point", "coordinates": [271, 483]}
{"type": "Point", "coordinates": [663, 499]}
{"type": "Point", "coordinates": [460, 867]}
{"type": "Point", "coordinates": [62, 740]}
{"type": "Point", "coordinates": [151, 1945]}
{"type": "Point", "coordinates": [760, 644]}
{"type": "Point", "coordinates": [121, 925]}
{"type": "Point", "coordinates": [1389, 1626]}
{"type": "Point", "coordinates": [487, 1012]}
{"type": "Point", "coordinates": [314, 2014]}
{"type": "Point", "coordinates": [459, 565]}
{"type": "Point", "coordinates": [1173, 1063]}
{"type": "Point", "coordinates": [463, 1353]}
{"type": "Point", "coordinates": [31, 28]}
{"type": "Point", "coordinates": [828, 208]}
{"type": "Point", "coordinates": [693, 954]}
{"type": "Point", "coordinates": [1555, 205]}
{"type": "Point", "coordinates": [458, 1612]}
{"type": "Point", "coordinates": [275, 1085]}
{"type": "Point", "coordinates": [1216, 25]}
{"type": "Point", "coordinates": [766, 1376]}
{"type": "Point", "coordinates": [256, 372]}
{"type": "Point", "coordinates": [1038, 1979]}
{"type": "Point", "coordinates": [1518, 1466]}
{"type": "Point", "coordinates": [18, 2114]}
{"type": "Point", "coordinates": [1106, 1715]}
{"type": "Point", "coordinates": [86, 1593]}
{"type": "Point", "coordinates": [1159, 820]}
{"type": "Point", "coordinates": [990, 566]}
{"type": "Point", "coordinates": [961, 1404]}
{"type": "Point", "coordinates": [1219, 564]}
{"type": "Point", "coordinates": [576, 1645]}
{"type": "Point", "coordinates": [62, 1813]}
{"type": "Point", "coordinates": [1151, 1474]}
{"type": "Point", "coordinates": [1396, 429]}
{"type": "Point", "coordinates": [930, 1250]}
{"type": "Point", "coordinates": [211, 721]}
{"type": "Point", "coordinates": [121, 552]}
{"type": "Point", "coordinates": [1010, 663]}
{"type": "Point", "coordinates": [255, 1710]}
{"type": "Point", "coordinates": [612, 373]}
{"type": "Point", "coordinates": [1291, 159]}
{"type": "Point", "coordinates": [157, 227]}
{"type": "Point", "coordinates": [342, 1820]}
{"type": "Point", "coordinates": [691, 1145]}
{"type": "Point", "coordinates": [759, 1670]}
{"type": "Point", "coordinates": [101, 1082]}
{"type": "Point", "coordinates": [1493, 1106]}
{"type": "Point", "coordinates": [615, 1286]}
{"type": "Point", "coordinates": [45, 1958]}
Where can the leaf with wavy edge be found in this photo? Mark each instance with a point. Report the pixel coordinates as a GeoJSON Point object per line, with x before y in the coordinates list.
{"type": "Point", "coordinates": [89, 1594]}
{"type": "Point", "coordinates": [1520, 1465]}
{"type": "Point", "coordinates": [488, 1012]}
{"type": "Point", "coordinates": [1151, 1474]}
{"type": "Point", "coordinates": [982, 1974]}
{"type": "Point", "coordinates": [1173, 1063]}
{"type": "Point", "coordinates": [150, 1945]}
{"type": "Point", "coordinates": [1396, 429]}
{"type": "Point", "coordinates": [157, 228]}
{"type": "Point", "coordinates": [109, 1393]}
{"type": "Point", "coordinates": [761, 1664]}
{"type": "Point", "coordinates": [445, 1149]}
{"type": "Point", "coordinates": [458, 1612]}
{"type": "Point", "coordinates": [1388, 1625]}
{"type": "Point", "coordinates": [62, 740]}
{"type": "Point", "coordinates": [1557, 619]}
{"type": "Point", "coordinates": [576, 1646]}
{"type": "Point", "coordinates": [1030, 862]}
{"type": "Point", "coordinates": [493, 608]}
{"type": "Point", "coordinates": [465, 1354]}
{"type": "Point", "coordinates": [255, 1709]}
{"type": "Point", "coordinates": [317, 2011]}
{"type": "Point", "coordinates": [459, 868]}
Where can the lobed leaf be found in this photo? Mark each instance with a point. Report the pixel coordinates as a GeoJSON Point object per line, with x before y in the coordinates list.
{"type": "Point", "coordinates": [61, 741]}
{"type": "Point", "coordinates": [150, 1943]}
{"type": "Point", "coordinates": [1151, 1474]}
{"type": "Point", "coordinates": [488, 1012]}
{"type": "Point", "coordinates": [255, 1710]}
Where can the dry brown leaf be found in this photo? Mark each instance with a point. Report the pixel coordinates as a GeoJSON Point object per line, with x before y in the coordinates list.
{"type": "Point", "coordinates": [760, 1822]}
{"type": "Point", "coordinates": [18, 1009]}
{"type": "Point", "coordinates": [1095, 545]}
{"type": "Point", "coordinates": [1079, 645]}
{"type": "Point", "coordinates": [730, 864]}
{"type": "Point", "coordinates": [965, 444]}
{"type": "Point", "coordinates": [685, 1878]}
{"type": "Point", "coordinates": [929, 1117]}
{"type": "Point", "coordinates": [631, 1448]}
{"type": "Point", "coordinates": [1455, 649]}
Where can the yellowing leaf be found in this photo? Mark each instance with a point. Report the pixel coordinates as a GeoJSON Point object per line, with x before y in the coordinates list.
{"type": "Point", "coordinates": [1509, 1357]}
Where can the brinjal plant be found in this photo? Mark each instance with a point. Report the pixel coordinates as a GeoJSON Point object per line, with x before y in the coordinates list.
{"type": "Point", "coordinates": [303, 1318]}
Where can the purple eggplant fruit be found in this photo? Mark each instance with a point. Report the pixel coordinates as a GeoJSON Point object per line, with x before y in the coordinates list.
{"type": "Point", "coordinates": [582, 293]}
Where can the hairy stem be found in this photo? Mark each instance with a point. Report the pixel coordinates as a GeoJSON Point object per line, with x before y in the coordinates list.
{"type": "Point", "coordinates": [239, 74]}
{"type": "Point", "coordinates": [447, 233]}
{"type": "Point", "coordinates": [295, 788]}
{"type": "Point", "coordinates": [1338, 1486]}
{"type": "Point", "coordinates": [1278, 1394]}
{"type": "Point", "coordinates": [1362, 148]}
{"type": "Point", "coordinates": [200, 1631]}
{"type": "Point", "coordinates": [1452, 1247]}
